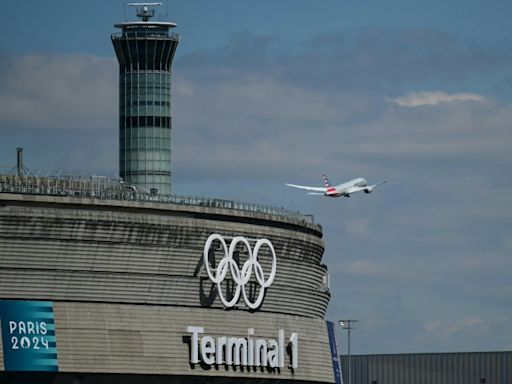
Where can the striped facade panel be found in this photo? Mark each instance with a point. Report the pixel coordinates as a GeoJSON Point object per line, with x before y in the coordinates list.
{"type": "Point", "coordinates": [431, 368]}
{"type": "Point", "coordinates": [74, 254]}
{"type": "Point", "coordinates": [114, 338]}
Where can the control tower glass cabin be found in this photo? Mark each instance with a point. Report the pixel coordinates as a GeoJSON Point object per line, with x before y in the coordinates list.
{"type": "Point", "coordinates": [145, 50]}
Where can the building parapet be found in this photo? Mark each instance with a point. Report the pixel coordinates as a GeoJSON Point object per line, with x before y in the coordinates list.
{"type": "Point", "coordinates": [110, 188]}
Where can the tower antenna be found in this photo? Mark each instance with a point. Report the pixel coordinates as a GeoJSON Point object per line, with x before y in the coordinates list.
{"type": "Point", "coordinates": [145, 10]}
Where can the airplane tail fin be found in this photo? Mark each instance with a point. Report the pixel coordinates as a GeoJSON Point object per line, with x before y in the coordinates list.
{"type": "Point", "coordinates": [326, 181]}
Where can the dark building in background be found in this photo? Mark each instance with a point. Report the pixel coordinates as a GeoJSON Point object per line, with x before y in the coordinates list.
{"type": "Point", "coordinates": [431, 368]}
{"type": "Point", "coordinates": [145, 50]}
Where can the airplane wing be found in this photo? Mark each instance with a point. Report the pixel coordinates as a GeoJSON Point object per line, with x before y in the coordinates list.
{"type": "Point", "coordinates": [316, 189]}
{"type": "Point", "coordinates": [376, 185]}
{"type": "Point", "coordinates": [367, 188]}
{"type": "Point", "coordinates": [350, 190]}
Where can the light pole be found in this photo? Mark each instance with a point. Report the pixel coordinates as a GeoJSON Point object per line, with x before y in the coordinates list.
{"type": "Point", "coordinates": [348, 324]}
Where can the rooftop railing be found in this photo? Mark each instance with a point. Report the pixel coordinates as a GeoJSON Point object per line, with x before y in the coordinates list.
{"type": "Point", "coordinates": [148, 34]}
{"type": "Point", "coordinates": [111, 188]}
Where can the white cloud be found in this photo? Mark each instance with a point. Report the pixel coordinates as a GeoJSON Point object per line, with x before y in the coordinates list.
{"type": "Point", "coordinates": [245, 132]}
{"type": "Point", "coordinates": [357, 226]}
{"type": "Point", "coordinates": [66, 92]}
{"type": "Point", "coordinates": [448, 328]}
{"type": "Point", "coordinates": [364, 268]}
{"type": "Point", "coordinates": [62, 109]}
{"type": "Point", "coordinates": [417, 99]}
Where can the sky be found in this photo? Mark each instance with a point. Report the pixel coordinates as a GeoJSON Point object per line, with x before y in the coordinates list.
{"type": "Point", "coordinates": [418, 93]}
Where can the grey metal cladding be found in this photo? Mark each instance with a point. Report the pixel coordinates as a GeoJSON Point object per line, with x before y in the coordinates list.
{"type": "Point", "coordinates": [85, 251]}
{"type": "Point", "coordinates": [432, 368]}
{"type": "Point", "coordinates": [146, 339]}
{"type": "Point", "coordinates": [313, 356]}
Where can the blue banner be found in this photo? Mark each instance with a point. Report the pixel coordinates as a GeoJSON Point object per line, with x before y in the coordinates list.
{"type": "Point", "coordinates": [28, 333]}
{"type": "Point", "coordinates": [334, 352]}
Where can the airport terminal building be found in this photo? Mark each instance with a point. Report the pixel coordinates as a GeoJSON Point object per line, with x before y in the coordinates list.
{"type": "Point", "coordinates": [107, 290]}
{"type": "Point", "coordinates": [118, 281]}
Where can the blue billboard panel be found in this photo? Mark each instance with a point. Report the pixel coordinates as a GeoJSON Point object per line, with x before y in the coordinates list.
{"type": "Point", "coordinates": [28, 334]}
{"type": "Point", "coordinates": [334, 353]}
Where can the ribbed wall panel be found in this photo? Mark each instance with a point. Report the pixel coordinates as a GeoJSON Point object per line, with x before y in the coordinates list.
{"type": "Point", "coordinates": [431, 368]}
{"type": "Point", "coordinates": [113, 257]}
{"type": "Point", "coordinates": [41, 255]}
{"type": "Point", "coordinates": [108, 255]}
{"type": "Point", "coordinates": [103, 338]}
{"type": "Point", "coordinates": [140, 289]}
{"type": "Point", "coordinates": [178, 231]}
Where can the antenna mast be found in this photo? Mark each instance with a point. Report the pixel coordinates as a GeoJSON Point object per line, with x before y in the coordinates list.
{"type": "Point", "coordinates": [144, 10]}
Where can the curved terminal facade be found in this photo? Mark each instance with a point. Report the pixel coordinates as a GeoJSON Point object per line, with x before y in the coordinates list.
{"type": "Point", "coordinates": [125, 295]}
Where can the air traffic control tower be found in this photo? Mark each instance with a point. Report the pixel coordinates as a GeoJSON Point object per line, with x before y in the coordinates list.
{"type": "Point", "coordinates": [145, 50]}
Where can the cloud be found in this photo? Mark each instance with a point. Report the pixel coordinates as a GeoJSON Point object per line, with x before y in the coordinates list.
{"type": "Point", "coordinates": [448, 328]}
{"type": "Point", "coordinates": [430, 244]}
{"type": "Point", "coordinates": [491, 333]}
{"type": "Point", "coordinates": [434, 98]}
{"type": "Point", "coordinates": [364, 268]}
{"type": "Point", "coordinates": [357, 226]}
{"type": "Point", "coordinates": [266, 120]}
{"type": "Point", "coordinates": [328, 101]}
{"type": "Point", "coordinates": [57, 92]}
{"type": "Point", "coordinates": [62, 109]}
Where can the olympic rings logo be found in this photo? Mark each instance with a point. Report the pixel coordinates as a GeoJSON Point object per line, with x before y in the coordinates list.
{"type": "Point", "coordinates": [239, 276]}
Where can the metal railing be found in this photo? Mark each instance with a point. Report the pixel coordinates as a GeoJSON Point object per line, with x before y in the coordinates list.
{"type": "Point", "coordinates": [111, 188]}
{"type": "Point", "coordinates": [149, 34]}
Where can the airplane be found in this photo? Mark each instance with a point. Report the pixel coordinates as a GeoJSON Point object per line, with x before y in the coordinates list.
{"type": "Point", "coordinates": [344, 189]}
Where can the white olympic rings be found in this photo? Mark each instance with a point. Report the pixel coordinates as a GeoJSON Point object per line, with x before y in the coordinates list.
{"type": "Point", "coordinates": [239, 277]}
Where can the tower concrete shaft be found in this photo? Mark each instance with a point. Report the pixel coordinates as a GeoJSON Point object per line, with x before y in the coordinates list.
{"type": "Point", "coordinates": [145, 50]}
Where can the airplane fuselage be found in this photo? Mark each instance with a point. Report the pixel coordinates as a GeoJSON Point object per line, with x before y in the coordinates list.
{"type": "Point", "coordinates": [342, 189]}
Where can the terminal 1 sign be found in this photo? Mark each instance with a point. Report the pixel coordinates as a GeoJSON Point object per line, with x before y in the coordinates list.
{"type": "Point", "coordinates": [242, 351]}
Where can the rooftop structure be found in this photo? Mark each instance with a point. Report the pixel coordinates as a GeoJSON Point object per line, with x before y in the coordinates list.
{"type": "Point", "coordinates": [145, 50]}
{"type": "Point", "coordinates": [109, 188]}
